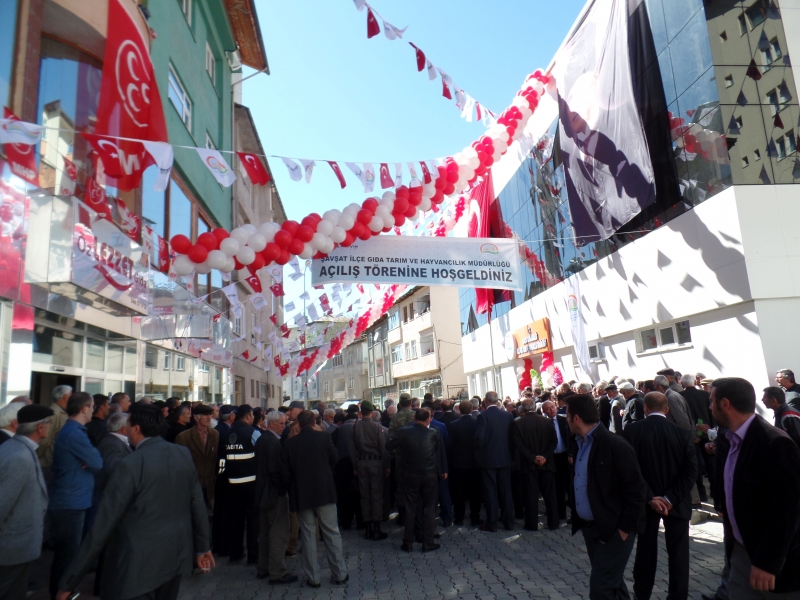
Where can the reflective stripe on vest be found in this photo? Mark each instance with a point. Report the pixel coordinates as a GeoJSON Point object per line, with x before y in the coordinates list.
{"type": "Point", "coordinates": [241, 456]}
{"type": "Point", "coordinates": [242, 479]}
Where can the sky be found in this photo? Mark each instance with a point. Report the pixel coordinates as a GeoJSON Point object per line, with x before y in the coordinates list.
{"type": "Point", "coordinates": [334, 94]}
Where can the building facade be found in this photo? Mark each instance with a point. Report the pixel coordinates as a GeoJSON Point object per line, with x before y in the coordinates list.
{"type": "Point", "coordinates": [59, 325]}
{"type": "Point", "coordinates": [703, 279]}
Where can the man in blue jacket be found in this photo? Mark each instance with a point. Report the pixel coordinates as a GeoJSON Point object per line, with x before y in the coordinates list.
{"type": "Point", "coordinates": [75, 461]}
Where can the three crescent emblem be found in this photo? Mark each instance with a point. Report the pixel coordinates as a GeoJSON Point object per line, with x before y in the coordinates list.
{"type": "Point", "coordinates": [133, 91]}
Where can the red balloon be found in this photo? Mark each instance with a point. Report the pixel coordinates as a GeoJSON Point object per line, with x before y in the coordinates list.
{"type": "Point", "coordinates": [440, 183]}
{"type": "Point", "coordinates": [400, 205]}
{"type": "Point", "coordinates": [290, 226]}
{"type": "Point", "coordinates": [284, 258]}
{"type": "Point", "coordinates": [181, 244]}
{"type": "Point", "coordinates": [489, 162]}
{"type": "Point", "coordinates": [403, 191]}
{"type": "Point", "coordinates": [480, 169]}
{"type": "Point", "coordinates": [399, 220]}
{"type": "Point", "coordinates": [198, 254]}
{"type": "Point", "coordinates": [283, 238]}
{"type": "Point", "coordinates": [452, 176]}
{"type": "Point", "coordinates": [370, 204]}
{"type": "Point", "coordinates": [258, 263]}
{"type": "Point", "coordinates": [411, 211]}
{"type": "Point", "coordinates": [438, 197]}
{"type": "Point", "coordinates": [357, 229]}
{"type": "Point", "coordinates": [365, 234]}
{"type": "Point", "coordinates": [482, 155]}
{"type": "Point", "coordinates": [386, 229]}
{"type": "Point", "coordinates": [237, 265]}
{"type": "Point", "coordinates": [319, 255]}
{"type": "Point", "coordinates": [452, 167]}
{"type": "Point", "coordinates": [414, 200]}
{"type": "Point", "coordinates": [209, 240]}
{"type": "Point", "coordinates": [511, 131]}
{"type": "Point", "coordinates": [296, 246]}
{"type": "Point", "coordinates": [220, 233]}
{"type": "Point", "coordinates": [304, 233]}
{"type": "Point", "coordinates": [309, 222]}
{"type": "Point", "coordinates": [364, 216]}
{"type": "Point", "coordinates": [448, 191]}
{"type": "Point", "coordinates": [271, 252]}
{"type": "Point", "coordinates": [349, 238]}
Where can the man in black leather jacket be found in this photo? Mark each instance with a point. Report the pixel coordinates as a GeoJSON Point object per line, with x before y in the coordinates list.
{"type": "Point", "coordinates": [419, 446]}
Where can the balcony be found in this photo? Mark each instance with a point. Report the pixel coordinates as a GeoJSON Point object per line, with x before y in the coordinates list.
{"type": "Point", "coordinates": [415, 366]}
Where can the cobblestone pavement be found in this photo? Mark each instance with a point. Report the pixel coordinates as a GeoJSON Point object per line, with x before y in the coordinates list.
{"type": "Point", "coordinates": [470, 564]}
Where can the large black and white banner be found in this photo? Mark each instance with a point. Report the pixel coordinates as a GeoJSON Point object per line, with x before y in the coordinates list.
{"type": "Point", "coordinates": [609, 175]}
{"type": "Point", "coordinates": [467, 262]}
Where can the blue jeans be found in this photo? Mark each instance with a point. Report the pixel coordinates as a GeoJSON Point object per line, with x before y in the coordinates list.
{"type": "Point", "coordinates": [66, 531]}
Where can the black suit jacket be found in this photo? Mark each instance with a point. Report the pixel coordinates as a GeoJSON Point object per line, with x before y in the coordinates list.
{"type": "Point", "coordinates": [462, 441]}
{"type": "Point", "coordinates": [615, 486]}
{"type": "Point", "coordinates": [667, 459]}
{"type": "Point", "coordinates": [270, 476]}
{"type": "Point", "coordinates": [96, 429]}
{"type": "Point", "coordinates": [308, 461]}
{"type": "Point", "coordinates": [604, 406]}
{"type": "Point", "coordinates": [113, 450]}
{"type": "Point", "coordinates": [448, 417]}
{"type": "Point", "coordinates": [535, 435]}
{"type": "Point", "coordinates": [420, 448]}
{"type": "Point", "coordinates": [699, 404]}
{"type": "Point", "coordinates": [493, 442]}
{"type": "Point", "coordinates": [766, 496]}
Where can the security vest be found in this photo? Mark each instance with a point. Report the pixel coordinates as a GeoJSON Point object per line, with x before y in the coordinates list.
{"type": "Point", "coordinates": [240, 454]}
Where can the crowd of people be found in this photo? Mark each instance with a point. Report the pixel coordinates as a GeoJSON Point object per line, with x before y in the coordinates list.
{"type": "Point", "coordinates": [87, 477]}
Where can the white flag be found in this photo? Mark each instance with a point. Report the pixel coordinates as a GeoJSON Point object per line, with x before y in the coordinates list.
{"type": "Point", "coordinates": [308, 168]}
{"type": "Point", "coordinates": [14, 131]}
{"type": "Point", "coordinates": [273, 337]}
{"type": "Point", "coordinates": [460, 97]}
{"type": "Point", "coordinates": [295, 264]}
{"type": "Point", "coordinates": [393, 32]}
{"type": "Point", "coordinates": [163, 155]}
{"type": "Point", "coordinates": [574, 300]}
{"type": "Point", "coordinates": [358, 172]}
{"type": "Point", "coordinates": [398, 174]}
{"type": "Point", "coordinates": [360, 4]}
{"type": "Point", "coordinates": [469, 108]}
{"type": "Point", "coordinates": [312, 312]}
{"type": "Point", "coordinates": [412, 170]}
{"type": "Point", "coordinates": [231, 293]}
{"type": "Point", "coordinates": [369, 177]}
{"type": "Point", "coordinates": [289, 307]}
{"type": "Point", "coordinates": [337, 287]}
{"type": "Point", "coordinates": [431, 71]}
{"type": "Point", "coordinates": [258, 301]}
{"type": "Point", "coordinates": [277, 273]}
{"type": "Point", "coordinates": [214, 162]}
{"type": "Point", "coordinates": [295, 276]}
{"type": "Point", "coordinates": [300, 320]}
{"type": "Point", "coordinates": [295, 172]}
{"type": "Point", "coordinates": [305, 296]}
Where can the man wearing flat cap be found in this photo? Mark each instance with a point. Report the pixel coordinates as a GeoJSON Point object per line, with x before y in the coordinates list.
{"type": "Point", "coordinates": [227, 413]}
{"type": "Point", "coordinates": [23, 500]}
{"type": "Point", "coordinates": [617, 408]}
{"type": "Point", "coordinates": [371, 460]}
{"type": "Point", "coordinates": [203, 445]}
{"type": "Point", "coordinates": [295, 408]}
{"type": "Point", "coordinates": [670, 375]}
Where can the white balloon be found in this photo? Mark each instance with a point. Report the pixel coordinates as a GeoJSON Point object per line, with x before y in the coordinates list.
{"type": "Point", "coordinates": [382, 211]}
{"type": "Point", "coordinates": [501, 145]}
{"type": "Point", "coordinates": [519, 102]}
{"type": "Point", "coordinates": [217, 259]}
{"type": "Point", "coordinates": [376, 224]}
{"type": "Point", "coordinates": [241, 235]}
{"type": "Point", "coordinates": [249, 228]}
{"type": "Point", "coordinates": [245, 255]}
{"type": "Point", "coordinates": [347, 221]}
{"type": "Point", "coordinates": [183, 265]}
{"type": "Point", "coordinates": [388, 221]}
{"type": "Point", "coordinates": [462, 171]}
{"type": "Point", "coordinates": [257, 242]}
{"type": "Point", "coordinates": [307, 252]}
{"type": "Point", "coordinates": [354, 207]}
{"type": "Point", "coordinates": [425, 205]}
{"type": "Point", "coordinates": [203, 268]}
{"type": "Point", "coordinates": [520, 370]}
{"type": "Point", "coordinates": [229, 266]}
{"type": "Point", "coordinates": [388, 205]}
{"type": "Point", "coordinates": [497, 154]}
{"type": "Point", "coordinates": [325, 226]}
{"type": "Point", "coordinates": [415, 183]}
{"type": "Point", "coordinates": [337, 235]}
{"type": "Point", "coordinates": [415, 217]}
{"type": "Point", "coordinates": [520, 362]}
{"type": "Point", "coordinates": [318, 241]}
{"type": "Point", "coordinates": [332, 215]}
{"type": "Point", "coordinates": [268, 230]}
{"type": "Point", "coordinates": [229, 246]}
{"type": "Point", "coordinates": [538, 87]}
{"type": "Point", "coordinates": [473, 162]}
{"type": "Point", "coordinates": [429, 189]}
{"type": "Point", "coordinates": [461, 183]}
{"type": "Point", "coordinates": [389, 195]}
{"type": "Point", "coordinates": [328, 247]}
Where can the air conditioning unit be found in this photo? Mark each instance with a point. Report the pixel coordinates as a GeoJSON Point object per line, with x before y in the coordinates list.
{"type": "Point", "coordinates": [234, 60]}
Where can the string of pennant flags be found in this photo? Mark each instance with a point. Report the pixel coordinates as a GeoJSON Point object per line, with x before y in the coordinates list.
{"type": "Point", "coordinates": [469, 108]}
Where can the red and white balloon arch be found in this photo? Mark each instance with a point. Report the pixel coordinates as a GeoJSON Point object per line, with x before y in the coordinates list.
{"type": "Point", "coordinates": [255, 247]}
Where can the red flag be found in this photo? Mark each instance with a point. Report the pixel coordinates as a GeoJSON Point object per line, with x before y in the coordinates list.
{"type": "Point", "coordinates": [95, 197]}
{"type": "Point", "coordinates": [426, 174]}
{"type": "Point", "coordinates": [373, 28]}
{"type": "Point", "coordinates": [163, 255]}
{"type": "Point", "coordinates": [319, 287]}
{"type": "Point", "coordinates": [21, 157]}
{"type": "Point", "coordinates": [284, 330]}
{"type": "Point", "coordinates": [254, 283]}
{"type": "Point", "coordinates": [277, 289]}
{"type": "Point", "coordinates": [274, 319]}
{"type": "Point", "coordinates": [246, 355]}
{"type": "Point", "coordinates": [70, 169]}
{"type": "Point", "coordinates": [216, 317]}
{"type": "Point", "coordinates": [277, 361]}
{"type": "Point", "coordinates": [124, 161]}
{"type": "Point", "coordinates": [386, 179]}
{"type": "Point", "coordinates": [478, 108]}
{"type": "Point", "coordinates": [446, 90]}
{"type": "Point", "coordinates": [254, 359]}
{"type": "Point", "coordinates": [303, 338]}
{"type": "Point", "coordinates": [130, 104]}
{"type": "Point", "coordinates": [255, 168]}
{"type": "Point", "coordinates": [360, 288]}
{"type": "Point", "coordinates": [338, 173]}
{"type": "Point", "coordinates": [324, 302]}
{"type": "Point", "coordinates": [420, 57]}
{"type": "Point", "coordinates": [129, 222]}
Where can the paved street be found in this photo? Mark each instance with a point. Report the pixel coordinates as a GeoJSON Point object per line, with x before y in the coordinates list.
{"type": "Point", "coordinates": [470, 564]}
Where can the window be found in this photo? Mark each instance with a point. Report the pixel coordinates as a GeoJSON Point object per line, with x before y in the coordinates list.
{"type": "Point", "coordinates": [742, 25]}
{"type": "Point", "coordinates": [379, 367]}
{"type": "Point", "coordinates": [167, 360]}
{"type": "Point", "coordinates": [408, 351]}
{"type": "Point", "coordinates": [405, 314]}
{"type": "Point", "coordinates": [263, 390]}
{"type": "Point", "coordinates": [151, 357]}
{"type": "Point", "coordinates": [253, 330]}
{"type": "Point", "coordinates": [325, 386]}
{"type": "Point", "coordinates": [209, 143]}
{"type": "Point", "coordinates": [203, 367]}
{"type": "Point", "coordinates": [180, 362]}
{"type": "Point", "coordinates": [757, 154]}
{"type": "Point", "coordinates": [665, 335]}
{"type": "Point", "coordinates": [211, 65]}
{"type": "Point", "coordinates": [745, 162]}
{"type": "Point", "coordinates": [413, 348]}
{"type": "Point", "coordinates": [728, 81]}
{"type": "Point", "coordinates": [394, 319]}
{"type": "Point", "coordinates": [237, 326]}
{"type": "Point", "coordinates": [186, 9]}
{"type": "Point", "coordinates": [351, 384]}
{"type": "Point", "coordinates": [252, 388]}
{"type": "Point", "coordinates": [756, 13]}
{"type": "Point", "coordinates": [411, 312]}
{"type": "Point", "coordinates": [426, 345]}
{"type": "Point", "coordinates": [337, 360]}
{"type": "Point", "coordinates": [786, 145]}
{"type": "Point", "coordinates": [360, 354]}
{"type": "Point", "coordinates": [597, 351]}
{"type": "Point", "coordinates": [350, 357]}
{"type": "Point", "coordinates": [397, 353]}
{"type": "Point", "coordinates": [180, 99]}
{"type": "Point", "coordinates": [777, 99]}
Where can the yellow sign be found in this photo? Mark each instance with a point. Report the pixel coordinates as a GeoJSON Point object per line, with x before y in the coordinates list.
{"type": "Point", "coordinates": [529, 340]}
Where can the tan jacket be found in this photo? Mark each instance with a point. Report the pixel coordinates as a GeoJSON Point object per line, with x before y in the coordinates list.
{"type": "Point", "coordinates": [204, 458]}
{"type": "Point", "coordinates": [45, 449]}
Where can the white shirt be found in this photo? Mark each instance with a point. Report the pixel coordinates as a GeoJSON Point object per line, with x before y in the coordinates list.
{"type": "Point", "coordinates": [124, 438]}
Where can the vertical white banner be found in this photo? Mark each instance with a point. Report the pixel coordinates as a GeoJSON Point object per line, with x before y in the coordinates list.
{"type": "Point", "coordinates": [576, 321]}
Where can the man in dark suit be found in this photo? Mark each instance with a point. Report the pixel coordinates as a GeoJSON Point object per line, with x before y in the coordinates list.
{"type": "Point", "coordinates": [493, 452]}
{"type": "Point", "coordinates": [604, 406]}
{"type": "Point", "coordinates": [448, 416]}
{"type": "Point", "coordinates": [152, 520]}
{"type": "Point", "coordinates": [608, 497]}
{"type": "Point", "coordinates": [308, 460]}
{"type": "Point", "coordinates": [560, 456]}
{"type": "Point", "coordinates": [699, 405]}
{"type": "Point", "coordinates": [535, 441]}
{"type": "Point", "coordinates": [668, 462]}
{"type": "Point", "coordinates": [273, 502]}
{"type": "Point", "coordinates": [464, 476]}
{"type": "Point", "coordinates": [203, 445]}
{"type": "Point", "coordinates": [786, 418]}
{"type": "Point", "coordinates": [419, 445]}
{"type": "Point", "coordinates": [757, 490]}
{"type": "Point", "coordinates": [227, 413]}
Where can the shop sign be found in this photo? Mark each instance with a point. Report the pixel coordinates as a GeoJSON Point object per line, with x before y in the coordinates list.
{"type": "Point", "coordinates": [532, 339]}
{"type": "Point", "coordinates": [107, 262]}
